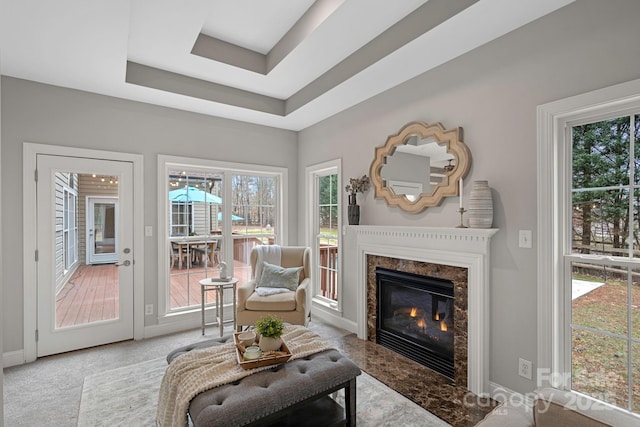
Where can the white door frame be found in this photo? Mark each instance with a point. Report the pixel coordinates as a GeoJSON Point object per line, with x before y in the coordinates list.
{"type": "Point", "coordinates": [90, 256]}
{"type": "Point", "coordinates": [30, 150]}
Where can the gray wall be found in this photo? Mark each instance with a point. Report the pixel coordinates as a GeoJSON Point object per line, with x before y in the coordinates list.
{"type": "Point", "coordinates": [33, 112]}
{"type": "Point", "coordinates": [408, 167]}
{"type": "Point", "coordinates": [492, 93]}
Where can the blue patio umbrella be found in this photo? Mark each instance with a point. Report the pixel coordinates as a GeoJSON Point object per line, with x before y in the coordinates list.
{"type": "Point", "coordinates": [193, 194]}
{"type": "Point", "coordinates": [233, 217]}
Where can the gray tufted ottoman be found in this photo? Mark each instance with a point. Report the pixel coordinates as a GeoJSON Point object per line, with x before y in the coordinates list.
{"type": "Point", "coordinates": [293, 393]}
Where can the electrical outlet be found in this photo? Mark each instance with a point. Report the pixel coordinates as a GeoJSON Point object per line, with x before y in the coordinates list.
{"type": "Point", "coordinates": [148, 309]}
{"type": "Point", "coordinates": [524, 368]}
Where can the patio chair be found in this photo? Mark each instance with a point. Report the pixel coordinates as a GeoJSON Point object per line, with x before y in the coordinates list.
{"type": "Point", "coordinates": [174, 251]}
{"type": "Point", "coordinates": [293, 306]}
{"type": "Point", "coordinates": [206, 253]}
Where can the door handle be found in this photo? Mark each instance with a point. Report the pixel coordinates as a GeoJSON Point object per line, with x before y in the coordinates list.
{"type": "Point", "coordinates": [126, 263]}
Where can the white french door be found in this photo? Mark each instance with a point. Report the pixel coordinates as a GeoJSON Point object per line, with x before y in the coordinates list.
{"type": "Point", "coordinates": [112, 319]}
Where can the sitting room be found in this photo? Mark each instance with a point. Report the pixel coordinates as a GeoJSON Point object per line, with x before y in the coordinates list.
{"type": "Point", "coordinates": [447, 193]}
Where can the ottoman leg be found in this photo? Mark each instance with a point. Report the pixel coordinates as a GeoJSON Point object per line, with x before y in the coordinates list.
{"type": "Point", "coordinates": [350, 402]}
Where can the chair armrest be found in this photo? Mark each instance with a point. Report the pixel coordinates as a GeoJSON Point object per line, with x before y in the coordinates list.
{"type": "Point", "coordinates": [244, 292]}
{"type": "Point", "coordinates": [301, 294]}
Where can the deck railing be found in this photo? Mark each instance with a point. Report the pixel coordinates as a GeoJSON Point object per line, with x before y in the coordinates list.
{"type": "Point", "coordinates": [329, 271]}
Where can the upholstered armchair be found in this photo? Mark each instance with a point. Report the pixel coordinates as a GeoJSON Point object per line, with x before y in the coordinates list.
{"type": "Point", "coordinates": [292, 306]}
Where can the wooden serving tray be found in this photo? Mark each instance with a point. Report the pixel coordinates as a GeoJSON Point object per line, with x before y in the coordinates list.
{"type": "Point", "coordinates": [267, 358]}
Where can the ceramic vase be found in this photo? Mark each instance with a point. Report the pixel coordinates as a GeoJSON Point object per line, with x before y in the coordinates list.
{"type": "Point", "coordinates": [480, 213]}
{"type": "Point", "coordinates": [353, 210]}
{"type": "Point", "coordinates": [269, 343]}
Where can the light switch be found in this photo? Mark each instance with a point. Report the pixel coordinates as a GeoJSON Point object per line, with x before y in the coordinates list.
{"type": "Point", "coordinates": [524, 239]}
{"type": "Point", "coordinates": [148, 231]}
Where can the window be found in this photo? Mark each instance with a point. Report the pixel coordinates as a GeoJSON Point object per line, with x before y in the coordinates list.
{"type": "Point", "coordinates": [588, 256]}
{"type": "Point", "coordinates": [214, 213]}
{"type": "Point", "coordinates": [254, 218]}
{"type": "Point", "coordinates": [324, 232]}
{"type": "Point", "coordinates": [181, 218]}
{"type": "Point", "coordinates": [605, 267]}
{"type": "Point", "coordinates": [70, 225]}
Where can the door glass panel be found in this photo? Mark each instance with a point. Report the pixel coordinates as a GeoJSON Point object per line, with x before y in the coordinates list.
{"type": "Point", "coordinates": [104, 226]}
{"type": "Point", "coordinates": [86, 292]}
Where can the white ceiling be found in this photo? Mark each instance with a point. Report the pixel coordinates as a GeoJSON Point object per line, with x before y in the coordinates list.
{"type": "Point", "coordinates": [322, 56]}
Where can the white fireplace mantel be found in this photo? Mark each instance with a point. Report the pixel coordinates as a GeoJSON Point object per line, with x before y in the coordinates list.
{"type": "Point", "coordinates": [461, 247]}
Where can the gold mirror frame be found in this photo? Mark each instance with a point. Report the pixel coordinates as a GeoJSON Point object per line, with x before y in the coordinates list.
{"type": "Point", "coordinates": [450, 139]}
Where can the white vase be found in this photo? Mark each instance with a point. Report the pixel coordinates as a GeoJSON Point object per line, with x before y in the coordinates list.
{"type": "Point", "coordinates": [480, 205]}
{"type": "Point", "coordinates": [269, 344]}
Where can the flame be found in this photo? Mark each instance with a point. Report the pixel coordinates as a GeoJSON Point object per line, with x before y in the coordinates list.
{"type": "Point", "coordinates": [443, 326]}
{"type": "Point", "coordinates": [437, 316]}
{"type": "Point", "coordinates": [421, 323]}
{"type": "Point", "coordinates": [413, 312]}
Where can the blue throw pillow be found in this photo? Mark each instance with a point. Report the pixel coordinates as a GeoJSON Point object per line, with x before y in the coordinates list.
{"type": "Point", "coordinates": [274, 276]}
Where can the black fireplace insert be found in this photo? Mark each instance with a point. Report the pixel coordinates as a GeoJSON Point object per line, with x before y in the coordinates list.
{"type": "Point", "coordinates": [415, 318]}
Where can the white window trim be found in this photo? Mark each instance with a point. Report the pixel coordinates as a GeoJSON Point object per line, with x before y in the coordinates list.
{"type": "Point", "coordinates": [554, 121]}
{"type": "Point", "coordinates": [166, 162]}
{"type": "Point", "coordinates": [310, 226]}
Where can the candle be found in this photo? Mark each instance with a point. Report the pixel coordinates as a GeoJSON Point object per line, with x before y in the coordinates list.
{"type": "Point", "coordinates": [460, 193]}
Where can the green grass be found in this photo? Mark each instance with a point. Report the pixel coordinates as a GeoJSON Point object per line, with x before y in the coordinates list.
{"type": "Point", "coordinates": [587, 278]}
{"type": "Point", "coordinates": [599, 362]}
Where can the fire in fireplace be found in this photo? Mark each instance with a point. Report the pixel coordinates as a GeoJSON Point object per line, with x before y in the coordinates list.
{"type": "Point", "coordinates": [415, 318]}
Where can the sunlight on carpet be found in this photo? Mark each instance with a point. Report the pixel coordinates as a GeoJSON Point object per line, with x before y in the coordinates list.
{"type": "Point", "coordinates": [128, 396]}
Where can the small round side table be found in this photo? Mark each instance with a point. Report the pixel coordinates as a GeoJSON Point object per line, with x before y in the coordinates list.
{"type": "Point", "coordinates": [218, 285]}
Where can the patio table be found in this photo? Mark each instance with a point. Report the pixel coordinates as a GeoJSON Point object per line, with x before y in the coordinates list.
{"type": "Point", "coordinates": [189, 245]}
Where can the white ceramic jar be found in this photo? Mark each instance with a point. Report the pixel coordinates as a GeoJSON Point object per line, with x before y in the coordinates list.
{"type": "Point", "coordinates": [480, 212]}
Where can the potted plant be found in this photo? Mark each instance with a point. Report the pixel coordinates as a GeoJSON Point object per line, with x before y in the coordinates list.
{"type": "Point", "coordinates": [270, 329]}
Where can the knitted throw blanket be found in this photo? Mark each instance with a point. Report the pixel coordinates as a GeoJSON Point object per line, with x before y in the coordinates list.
{"type": "Point", "coordinates": [200, 370]}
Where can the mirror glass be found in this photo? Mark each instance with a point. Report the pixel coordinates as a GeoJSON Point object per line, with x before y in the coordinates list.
{"type": "Point", "coordinates": [419, 166]}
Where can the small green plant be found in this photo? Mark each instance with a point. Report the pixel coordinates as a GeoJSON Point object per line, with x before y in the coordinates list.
{"type": "Point", "coordinates": [270, 326]}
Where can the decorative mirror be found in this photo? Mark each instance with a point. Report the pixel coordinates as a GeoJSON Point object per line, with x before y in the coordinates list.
{"type": "Point", "coordinates": [419, 166]}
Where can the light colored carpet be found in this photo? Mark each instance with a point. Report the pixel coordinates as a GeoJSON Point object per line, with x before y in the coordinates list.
{"type": "Point", "coordinates": [128, 396]}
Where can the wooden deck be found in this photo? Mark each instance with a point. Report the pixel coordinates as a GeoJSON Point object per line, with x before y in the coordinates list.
{"type": "Point", "coordinates": [91, 295]}
{"type": "Point", "coordinates": [185, 283]}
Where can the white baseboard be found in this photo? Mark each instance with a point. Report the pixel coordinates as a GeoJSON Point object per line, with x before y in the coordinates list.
{"type": "Point", "coordinates": [170, 328]}
{"type": "Point", "coordinates": [505, 395]}
{"type": "Point", "coordinates": [13, 358]}
{"type": "Point", "coordinates": [334, 319]}
{"type": "Point", "coordinates": [185, 321]}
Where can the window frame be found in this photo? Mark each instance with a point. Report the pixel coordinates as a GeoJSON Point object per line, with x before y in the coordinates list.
{"type": "Point", "coordinates": [312, 174]}
{"type": "Point", "coordinates": [184, 210]}
{"type": "Point", "coordinates": [554, 148]}
{"type": "Point", "coordinates": [167, 162]}
{"type": "Point", "coordinates": [70, 232]}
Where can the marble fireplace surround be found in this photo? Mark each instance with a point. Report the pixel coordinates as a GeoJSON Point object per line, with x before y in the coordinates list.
{"type": "Point", "coordinates": [459, 247]}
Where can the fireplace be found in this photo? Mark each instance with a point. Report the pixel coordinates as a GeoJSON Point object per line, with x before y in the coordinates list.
{"type": "Point", "coordinates": [461, 255]}
{"type": "Point", "coordinates": [415, 317]}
